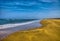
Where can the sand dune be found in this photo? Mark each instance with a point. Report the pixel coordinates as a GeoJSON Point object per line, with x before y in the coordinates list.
{"type": "Point", "coordinates": [49, 31]}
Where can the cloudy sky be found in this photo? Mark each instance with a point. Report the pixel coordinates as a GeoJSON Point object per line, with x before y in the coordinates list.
{"type": "Point", "coordinates": [29, 9]}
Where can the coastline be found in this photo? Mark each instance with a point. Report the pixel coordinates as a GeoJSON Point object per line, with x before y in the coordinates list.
{"type": "Point", "coordinates": [5, 26]}
{"type": "Point", "coordinates": [21, 26]}
{"type": "Point", "coordinates": [49, 31]}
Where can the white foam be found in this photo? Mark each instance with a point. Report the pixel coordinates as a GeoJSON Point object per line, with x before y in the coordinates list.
{"type": "Point", "coordinates": [5, 26]}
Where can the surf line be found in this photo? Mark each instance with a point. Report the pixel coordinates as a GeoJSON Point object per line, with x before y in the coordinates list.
{"type": "Point", "coordinates": [5, 26]}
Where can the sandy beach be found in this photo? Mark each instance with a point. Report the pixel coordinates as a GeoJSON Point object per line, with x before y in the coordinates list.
{"type": "Point", "coordinates": [49, 31]}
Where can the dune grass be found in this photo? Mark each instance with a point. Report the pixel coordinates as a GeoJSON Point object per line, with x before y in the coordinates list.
{"type": "Point", "coordinates": [49, 31]}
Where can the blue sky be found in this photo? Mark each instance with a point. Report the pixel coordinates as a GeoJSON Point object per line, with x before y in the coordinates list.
{"type": "Point", "coordinates": [29, 9]}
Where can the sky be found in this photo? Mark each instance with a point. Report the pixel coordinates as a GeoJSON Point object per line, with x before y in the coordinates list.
{"type": "Point", "coordinates": [29, 9]}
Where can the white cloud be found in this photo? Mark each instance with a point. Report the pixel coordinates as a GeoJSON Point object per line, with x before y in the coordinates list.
{"type": "Point", "coordinates": [49, 0]}
{"type": "Point", "coordinates": [26, 4]}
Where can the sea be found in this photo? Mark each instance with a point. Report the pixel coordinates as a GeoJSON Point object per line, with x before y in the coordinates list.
{"type": "Point", "coordinates": [12, 21]}
{"type": "Point", "coordinates": [19, 23]}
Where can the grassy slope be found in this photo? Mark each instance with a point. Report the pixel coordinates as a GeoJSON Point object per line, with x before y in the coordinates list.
{"type": "Point", "coordinates": [49, 31]}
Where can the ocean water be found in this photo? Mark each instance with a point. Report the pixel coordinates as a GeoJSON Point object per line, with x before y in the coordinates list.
{"type": "Point", "coordinates": [11, 21]}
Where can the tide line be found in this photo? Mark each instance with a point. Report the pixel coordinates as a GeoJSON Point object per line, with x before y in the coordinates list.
{"type": "Point", "coordinates": [5, 26]}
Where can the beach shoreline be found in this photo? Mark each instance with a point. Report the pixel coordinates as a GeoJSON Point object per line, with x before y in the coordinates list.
{"type": "Point", "coordinates": [5, 26]}
{"type": "Point", "coordinates": [29, 25]}
{"type": "Point", "coordinates": [49, 31]}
